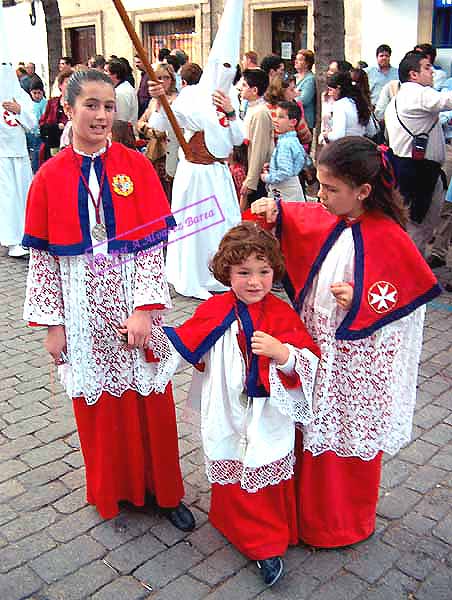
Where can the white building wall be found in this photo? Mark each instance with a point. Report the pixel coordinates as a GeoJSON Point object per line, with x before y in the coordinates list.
{"type": "Point", "coordinates": [27, 43]}
{"type": "Point", "coordinates": [392, 22]}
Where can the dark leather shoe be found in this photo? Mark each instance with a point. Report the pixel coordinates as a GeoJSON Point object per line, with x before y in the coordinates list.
{"type": "Point", "coordinates": [271, 569]}
{"type": "Point", "coordinates": [181, 517]}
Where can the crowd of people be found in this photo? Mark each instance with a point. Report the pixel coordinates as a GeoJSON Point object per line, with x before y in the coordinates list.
{"type": "Point", "coordinates": [296, 403]}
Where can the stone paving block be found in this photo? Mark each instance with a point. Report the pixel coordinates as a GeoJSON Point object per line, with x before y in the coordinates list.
{"type": "Point", "coordinates": [219, 566]}
{"type": "Point", "coordinates": [443, 530]}
{"type": "Point", "coordinates": [292, 586]}
{"type": "Point", "coordinates": [440, 434]}
{"type": "Point", "coordinates": [207, 539]}
{"type": "Point", "coordinates": [400, 537]}
{"type": "Point", "coordinates": [341, 587]}
{"type": "Point", "coordinates": [28, 523]}
{"type": "Point", "coordinates": [81, 584]}
{"type": "Point", "coordinates": [19, 584]}
{"type": "Point", "coordinates": [74, 459]}
{"type": "Point", "coordinates": [425, 478]}
{"type": "Point", "coordinates": [419, 452]}
{"type": "Point", "coordinates": [436, 504]}
{"type": "Point", "coordinates": [73, 440]}
{"type": "Point", "coordinates": [56, 431]}
{"type": "Point", "coordinates": [123, 588]}
{"type": "Point", "coordinates": [243, 586]}
{"type": "Point", "coordinates": [430, 415]}
{"type": "Point", "coordinates": [74, 479]}
{"type": "Point", "coordinates": [24, 550]}
{"type": "Point", "coordinates": [371, 564]}
{"type": "Point", "coordinates": [396, 472]}
{"type": "Point", "coordinates": [44, 474]}
{"type": "Point", "coordinates": [118, 531]}
{"type": "Point", "coordinates": [131, 555]}
{"type": "Point", "coordinates": [183, 587]}
{"type": "Point", "coordinates": [397, 582]}
{"type": "Point", "coordinates": [437, 586]}
{"type": "Point", "coordinates": [397, 502]}
{"type": "Point", "coordinates": [443, 460]}
{"type": "Point", "coordinates": [11, 468]}
{"type": "Point", "coordinates": [435, 548]}
{"type": "Point", "coordinates": [30, 410]}
{"type": "Point", "coordinates": [9, 489]}
{"type": "Point", "coordinates": [77, 523]}
{"type": "Point", "coordinates": [72, 502]}
{"type": "Point", "coordinates": [25, 427]}
{"type": "Point", "coordinates": [6, 514]}
{"type": "Point", "coordinates": [37, 497]}
{"type": "Point", "coordinates": [17, 447]}
{"type": "Point", "coordinates": [444, 400]}
{"type": "Point", "coordinates": [169, 565]}
{"type": "Point", "coordinates": [417, 564]}
{"type": "Point", "coordinates": [324, 563]}
{"type": "Point", "coordinates": [67, 558]}
{"type": "Point", "coordinates": [418, 523]}
{"type": "Point", "coordinates": [46, 454]}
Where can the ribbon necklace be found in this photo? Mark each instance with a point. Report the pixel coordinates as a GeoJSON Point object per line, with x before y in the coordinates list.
{"type": "Point", "coordinates": [99, 231]}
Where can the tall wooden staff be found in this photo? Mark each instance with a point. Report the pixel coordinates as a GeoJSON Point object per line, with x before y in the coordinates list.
{"type": "Point", "coordinates": [150, 71]}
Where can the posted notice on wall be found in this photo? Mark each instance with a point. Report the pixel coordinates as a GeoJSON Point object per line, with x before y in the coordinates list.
{"type": "Point", "coordinates": [286, 50]}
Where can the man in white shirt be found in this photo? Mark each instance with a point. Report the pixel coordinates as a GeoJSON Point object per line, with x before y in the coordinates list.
{"type": "Point", "coordinates": [412, 112]}
{"type": "Point", "coordinates": [126, 98]}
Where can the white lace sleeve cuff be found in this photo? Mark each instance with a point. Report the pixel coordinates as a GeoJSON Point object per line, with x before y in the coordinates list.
{"type": "Point", "coordinates": [169, 359]}
{"type": "Point", "coordinates": [296, 403]}
{"type": "Point", "coordinates": [43, 298]}
{"type": "Point", "coordinates": [151, 286]}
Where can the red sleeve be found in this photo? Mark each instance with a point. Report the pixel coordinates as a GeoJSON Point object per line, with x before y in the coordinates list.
{"type": "Point", "coordinates": [151, 307]}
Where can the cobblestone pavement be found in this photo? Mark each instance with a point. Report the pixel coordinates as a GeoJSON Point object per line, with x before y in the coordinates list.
{"type": "Point", "coordinates": [54, 546]}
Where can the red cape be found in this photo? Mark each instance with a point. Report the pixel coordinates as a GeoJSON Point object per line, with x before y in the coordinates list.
{"type": "Point", "coordinates": [391, 277]}
{"type": "Point", "coordinates": [136, 210]}
{"type": "Point", "coordinates": [214, 316]}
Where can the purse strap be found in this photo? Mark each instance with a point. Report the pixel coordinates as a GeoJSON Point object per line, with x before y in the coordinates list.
{"type": "Point", "coordinates": [406, 128]}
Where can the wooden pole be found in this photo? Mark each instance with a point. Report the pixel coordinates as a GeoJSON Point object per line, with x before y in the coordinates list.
{"type": "Point", "coordinates": [150, 71]}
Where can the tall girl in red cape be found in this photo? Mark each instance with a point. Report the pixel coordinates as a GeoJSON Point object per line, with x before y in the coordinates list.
{"type": "Point", "coordinates": [361, 286]}
{"type": "Point", "coordinates": [95, 216]}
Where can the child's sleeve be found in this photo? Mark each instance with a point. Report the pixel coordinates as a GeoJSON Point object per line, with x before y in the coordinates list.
{"type": "Point", "coordinates": [43, 298]}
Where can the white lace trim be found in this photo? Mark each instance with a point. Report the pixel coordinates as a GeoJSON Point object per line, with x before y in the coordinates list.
{"type": "Point", "coordinates": [295, 403]}
{"type": "Point", "coordinates": [95, 303]}
{"type": "Point", "coordinates": [169, 359]}
{"type": "Point", "coordinates": [365, 389]}
{"type": "Point", "coordinates": [251, 479]}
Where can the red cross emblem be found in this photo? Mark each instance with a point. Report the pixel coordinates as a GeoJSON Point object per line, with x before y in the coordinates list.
{"type": "Point", "coordinates": [10, 118]}
{"type": "Point", "coordinates": [382, 296]}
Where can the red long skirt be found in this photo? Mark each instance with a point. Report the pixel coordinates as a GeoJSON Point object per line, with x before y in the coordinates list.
{"type": "Point", "coordinates": [259, 525]}
{"type": "Point", "coordinates": [336, 498]}
{"type": "Point", "coordinates": [130, 446]}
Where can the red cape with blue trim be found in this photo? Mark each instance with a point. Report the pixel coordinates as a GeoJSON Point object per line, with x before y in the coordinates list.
{"type": "Point", "coordinates": [214, 316]}
{"type": "Point", "coordinates": [392, 279]}
{"type": "Point", "coordinates": [136, 210]}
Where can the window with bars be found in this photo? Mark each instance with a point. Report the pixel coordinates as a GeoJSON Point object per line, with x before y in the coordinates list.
{"type": "Point", "coordinates": [174, 33]}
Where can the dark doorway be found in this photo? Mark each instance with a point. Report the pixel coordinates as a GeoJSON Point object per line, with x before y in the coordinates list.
{"type": "Point", "coordinates": [82, 41]}
{"type": "Point", "coordinates": [290, 34]}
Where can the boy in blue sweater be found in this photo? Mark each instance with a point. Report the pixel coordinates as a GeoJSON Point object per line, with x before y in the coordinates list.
{"type": "Point", "coordinates": [289, 156]}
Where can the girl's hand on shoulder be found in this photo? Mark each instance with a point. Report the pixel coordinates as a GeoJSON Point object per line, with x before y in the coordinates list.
{"type": "Point", "coordinates": [138, 329]}
{"type": "Point", "coordinates": [343, 292]}
{"type": "Point", "coordinates": [267, 207]}
{"type": "Point", "coordinates": [263, 344]}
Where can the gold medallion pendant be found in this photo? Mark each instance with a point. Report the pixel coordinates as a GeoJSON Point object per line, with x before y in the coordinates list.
{"type": "Point", "coordinates": [98, 232]}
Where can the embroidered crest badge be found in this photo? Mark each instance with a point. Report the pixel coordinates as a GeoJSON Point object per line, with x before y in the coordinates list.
{"type": "Point", "coordinates": [382, 296]}
{"type": "Point", "coordinates": [122, 185]}
{"type": "Point", "coordinates": [10, 118]}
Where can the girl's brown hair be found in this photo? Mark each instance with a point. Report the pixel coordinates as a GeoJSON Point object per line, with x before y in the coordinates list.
{"type": "Point", "coordinates": [357, 160]}
{"type": "Point", "coordinates": [240, 243]}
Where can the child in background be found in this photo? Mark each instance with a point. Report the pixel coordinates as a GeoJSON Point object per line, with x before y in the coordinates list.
{"type": "Point", "coordinates": [33, 138]}
{"type": "Point", "coordinates": [238, 165]}
{"type": "Point", "coordinates": [289, 156]}
{"type": "Point", "coordinates": [254, 373]}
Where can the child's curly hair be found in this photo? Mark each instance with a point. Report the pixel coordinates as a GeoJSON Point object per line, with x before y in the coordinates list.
{"type": "Point", "coordinates": [239, 243]}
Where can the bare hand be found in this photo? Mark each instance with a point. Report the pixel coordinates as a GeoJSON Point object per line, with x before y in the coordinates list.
{"type": "Point", "coordinates": [12, 106]}
{"type": "Point", "coordinates": [138, 329]}
{"type": "Point", "coordinates": [263, 344]}
{"type": "Point", "coordinates": [267, 207]}
{"type": "Point", "coordinates": [222, 101]}
{"type": "Point", "coordinates": [55, 342]}
{"type": "Point", "coordinates": [155, 89]}
{"type": "Point", "coordinates": [343, 292]}
{"type": "Point", "coordinates": [265, 167]}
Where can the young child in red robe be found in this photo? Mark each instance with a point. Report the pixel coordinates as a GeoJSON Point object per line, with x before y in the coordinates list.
{"type": "Point", "coordinates": [255, 368]}
{"type": "Point", "coordinates": [361, 286]}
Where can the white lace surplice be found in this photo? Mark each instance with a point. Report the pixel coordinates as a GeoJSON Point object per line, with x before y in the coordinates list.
{"type": "Point", "coordinates": [91, 303]}
{"type": "Point", "coordinates": [251, 444]}
{"type": "Point", "coordinates": [365, 390]}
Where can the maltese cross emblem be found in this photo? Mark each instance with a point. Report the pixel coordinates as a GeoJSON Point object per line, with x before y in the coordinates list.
{"type": "Point", "coordinates": [382, 296]}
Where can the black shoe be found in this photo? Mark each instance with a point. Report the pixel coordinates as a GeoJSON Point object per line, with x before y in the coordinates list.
{"type": "Point", "coordinates": [181, 517]}
{"type": "Point", "coordinates": [434, 262]}
{"type": "Point", "coordinates": [271, 569]}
